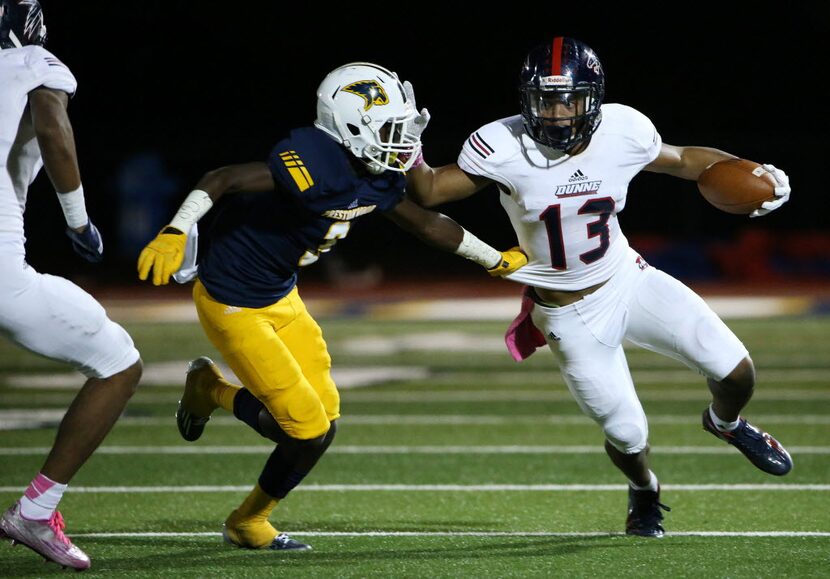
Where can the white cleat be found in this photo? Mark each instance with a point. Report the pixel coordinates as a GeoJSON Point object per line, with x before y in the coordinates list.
{"type": "Point", "coordinates": [43, 537]}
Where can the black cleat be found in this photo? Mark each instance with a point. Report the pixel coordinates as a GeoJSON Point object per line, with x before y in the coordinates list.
{"type": "Point", "coordinates": [190, 427]}
{"type": "Point", "coordinates": [760, 448]}
{"type": "Point", "coordinates": [195, 407]}
{"type": "Point", "coordinates": [283, 542]}
{"type": "Point", "coordinates": [644, 514]}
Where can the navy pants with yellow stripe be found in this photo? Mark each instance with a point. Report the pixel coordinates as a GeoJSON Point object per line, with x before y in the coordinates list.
{"type": "Point", "coordinates": [279, 355]}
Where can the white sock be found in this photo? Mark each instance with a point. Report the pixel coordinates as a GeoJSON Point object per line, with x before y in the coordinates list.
{"type": "Point", "coordinates": [722, 424]}
{"type": "Point", "coordinates": [651, 486]}
{"type": "Point", "coordinates": [41, 498]}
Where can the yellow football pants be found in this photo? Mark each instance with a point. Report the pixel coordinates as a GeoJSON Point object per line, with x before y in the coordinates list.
{"type": "Point", "coordinates": [279, 355]}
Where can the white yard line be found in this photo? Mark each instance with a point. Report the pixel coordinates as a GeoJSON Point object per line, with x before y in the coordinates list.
{"type": "Point", "coordinates": [21, 418]}
{"type": "Point", "coordinates": [171, 375]}
{"type": "Point", "coordinates": [180, 489]}
{"type": "Point", "coordinates": [405, 450]}
{"type": "Point", "coordinates": [156, 397]}
{"type": "Point", "coordinates": [679, 375]}
{"type": "Point", "coordinates": [428, 534]}
{"type": "Point", "coordinates": [518, 395]}
{"type": "Point", "coordinates": [491, 419]}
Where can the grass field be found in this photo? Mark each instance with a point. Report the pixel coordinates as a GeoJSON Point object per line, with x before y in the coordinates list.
{"type": "Point", "coordinates": [448, 463]}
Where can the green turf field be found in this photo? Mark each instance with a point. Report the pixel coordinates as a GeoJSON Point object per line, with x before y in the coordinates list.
{"type": "Point", "coordinates": [447, 463]}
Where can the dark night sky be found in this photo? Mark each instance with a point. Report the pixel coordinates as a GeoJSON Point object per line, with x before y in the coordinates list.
{"type": "Point", "coordinates": [206, 84]}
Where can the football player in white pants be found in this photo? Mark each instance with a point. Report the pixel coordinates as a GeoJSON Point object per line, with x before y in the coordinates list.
{"type": "Point", "coordinates": [562, 168]}
{"type": "Point", "coordinates": [46, 314]}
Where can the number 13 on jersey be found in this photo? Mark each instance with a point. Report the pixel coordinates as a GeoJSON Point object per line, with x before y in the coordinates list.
{"type": "Point", "coordinates": [552, 216]}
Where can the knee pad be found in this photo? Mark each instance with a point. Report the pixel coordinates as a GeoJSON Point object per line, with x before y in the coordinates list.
{"type": "Point", "coordinates": [329, 436]}
{"type": "Point", "coordinates": [626, 436]}
{"type": "Point", "coordinates": [269, 428]}
{"type": "Point", "coordinates": [319, 444]}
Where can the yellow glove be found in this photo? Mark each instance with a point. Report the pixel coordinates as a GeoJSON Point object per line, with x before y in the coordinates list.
{"type": "Point", "coordinates": [164, 255]}
{"type": "Point", "coordinates": [511, 260]}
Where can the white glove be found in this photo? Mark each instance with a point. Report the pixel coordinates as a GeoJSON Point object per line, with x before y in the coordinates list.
{"type": "Point", "coordinates": [782, 191]}
{"type": "Point", "coordinates": [420, 122]}
{"type": "Point", "coordinates": [189, 269]}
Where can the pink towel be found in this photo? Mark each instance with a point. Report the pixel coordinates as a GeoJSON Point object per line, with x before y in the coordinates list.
{"type": "Point", "coordinates": [522, 337]}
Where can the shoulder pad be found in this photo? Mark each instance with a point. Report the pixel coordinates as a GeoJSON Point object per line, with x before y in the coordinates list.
{"type": "Point", "coordinates": [49, 71]}
{"type": "Point", "coordinates": [490, 146]}
{"type": "Point", "coordinates": [633, 126]}
{"type": "Point", "coordinates": [287, 162]}
{"type": "Point", "coordinates": [305, 160]}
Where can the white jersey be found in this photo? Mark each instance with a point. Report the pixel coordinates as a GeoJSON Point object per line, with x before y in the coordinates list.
{"type": "Point", "coordinates": [21, 71]}
{"type": "Point", "coordinates": [564, 208]}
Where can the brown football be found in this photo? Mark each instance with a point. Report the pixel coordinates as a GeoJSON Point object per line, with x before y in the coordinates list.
{"type": "Point", "coordinates": [736, 186]}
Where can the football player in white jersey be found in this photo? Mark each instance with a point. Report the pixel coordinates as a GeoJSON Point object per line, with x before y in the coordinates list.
{"type": "Point", "coordinates": [562, 168]}
{"type": "Point", "coordinates": [46, 314]}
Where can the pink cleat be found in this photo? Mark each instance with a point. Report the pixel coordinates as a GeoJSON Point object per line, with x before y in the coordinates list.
{"type": "Point", "coordinates": [43, 537]}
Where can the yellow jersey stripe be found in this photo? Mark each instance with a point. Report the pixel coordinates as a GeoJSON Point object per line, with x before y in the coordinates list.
{"type": "Point", "coordinates": [306, 174]}
{"type": "Point", "coordinates": [301, 177]}
{"type": "Point", "coordinates": [297, 170]}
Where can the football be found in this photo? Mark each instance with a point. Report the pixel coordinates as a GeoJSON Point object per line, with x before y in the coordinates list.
{"type": "Point", "coordinates": [736, 186]}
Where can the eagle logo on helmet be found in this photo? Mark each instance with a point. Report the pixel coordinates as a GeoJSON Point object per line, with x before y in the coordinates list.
{"type": "Point", "coordinates": [370, 91]}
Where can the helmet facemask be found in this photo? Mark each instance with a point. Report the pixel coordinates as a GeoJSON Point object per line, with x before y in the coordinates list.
{"type": "Point", "coordinates": [560, 117]}
{"type": "Point", "coordinates": [386, 142]}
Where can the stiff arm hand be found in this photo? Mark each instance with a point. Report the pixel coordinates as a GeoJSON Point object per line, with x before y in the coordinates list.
{"type": "Point", "coordinates": [511, 260]}
{"type": "Point", "coordinates": [422, 120]}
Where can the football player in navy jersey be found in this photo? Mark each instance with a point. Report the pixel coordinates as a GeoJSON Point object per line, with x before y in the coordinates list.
{"type": "Point", "coordinates": [274, 218]}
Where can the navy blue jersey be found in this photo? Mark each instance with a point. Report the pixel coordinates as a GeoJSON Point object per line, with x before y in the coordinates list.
{"type": "Point", "coordinates": [257, 242]}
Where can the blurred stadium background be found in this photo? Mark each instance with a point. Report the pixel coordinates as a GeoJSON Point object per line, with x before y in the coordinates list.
{"type": "Point", "coordinates": [169, 90]}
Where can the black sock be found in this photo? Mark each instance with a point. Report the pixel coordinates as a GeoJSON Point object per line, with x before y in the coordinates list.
{"type": "Point", "coordinates": [246, 407]}
{"type": "Point", "coordinates": [291, 461]}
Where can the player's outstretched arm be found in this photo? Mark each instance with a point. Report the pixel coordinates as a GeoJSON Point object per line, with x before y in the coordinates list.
{"type": "Point", "coordinates": [442, 232]}
{"type": "Point", "coordinates": [690, 162]}
{"type": "Point", "coordinates": [56, 140]}
{"type": "Point", "coordinates": [685, 162]}
{"type": "Point", "coordinates": [164, 255]}
{"type": "Point", "coordinates": [429, 186]}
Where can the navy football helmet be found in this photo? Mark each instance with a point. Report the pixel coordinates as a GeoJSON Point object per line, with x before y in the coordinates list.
{"type": "Point", "coordinates": [561, 86]}
{"type": "Point", "coordinates": [21, 23]}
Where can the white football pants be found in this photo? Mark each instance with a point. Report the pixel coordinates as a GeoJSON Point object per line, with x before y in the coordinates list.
{"type": "Point", "coordinates": [51, 316]}
{"type": "Point", "coordinates": [651, 309]}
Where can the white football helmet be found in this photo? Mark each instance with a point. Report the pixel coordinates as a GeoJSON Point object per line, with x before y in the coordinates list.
{"type": "Point", "coordinates": [364, 107]}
